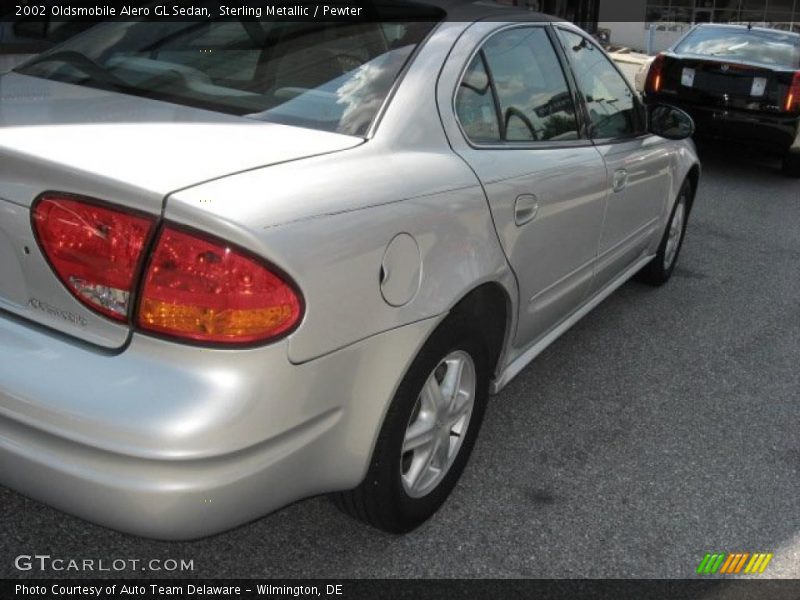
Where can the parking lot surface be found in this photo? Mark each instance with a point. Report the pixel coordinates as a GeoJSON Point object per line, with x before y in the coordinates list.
{"type": "Point", "coordinates": [661, 427]}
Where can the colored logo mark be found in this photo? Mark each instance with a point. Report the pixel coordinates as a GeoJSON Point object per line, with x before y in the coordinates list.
{"type": "Point", "coordinates": [733, 563]}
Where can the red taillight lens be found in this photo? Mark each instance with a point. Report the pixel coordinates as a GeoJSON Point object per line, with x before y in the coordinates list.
{"type": "Point", "coordinates": [655, 75]}
{"type": "Point", "coordinates": [792, 103]}
{"type": "Point", "coordinates": [203, 289]}
{"type": "Point", "coordinates": [94, 250]}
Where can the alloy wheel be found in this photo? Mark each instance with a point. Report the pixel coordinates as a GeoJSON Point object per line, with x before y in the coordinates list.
{"type": "Point", "coordinates": [438, 424]}
{"type": "Point", "coordinates": [675, 233]}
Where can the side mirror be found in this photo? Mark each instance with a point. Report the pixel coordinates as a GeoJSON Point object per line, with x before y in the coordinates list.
{"type": "Point", "coordinates": [670, 122]}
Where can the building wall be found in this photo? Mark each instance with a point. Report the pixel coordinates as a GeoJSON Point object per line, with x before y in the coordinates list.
{"type": "Point", "coordinates": [633, 34]}
{"type": "Point", "coordinates": [628, 33]}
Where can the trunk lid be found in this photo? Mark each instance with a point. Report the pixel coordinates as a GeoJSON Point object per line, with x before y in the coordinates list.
{"type": "Point", "coordinates": [725, 84]}
{"type": "Point", "coordinates": [126, 150]}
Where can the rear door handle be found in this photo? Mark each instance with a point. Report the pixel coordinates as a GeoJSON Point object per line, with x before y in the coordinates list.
{"type": "Point", "coordinates": [525, 208]}
{"type": "Point", "coordinates": [620, 180]}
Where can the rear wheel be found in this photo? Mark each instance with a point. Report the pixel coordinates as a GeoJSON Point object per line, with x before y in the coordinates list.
{"type": "Point", "coordinates": [427, 435]}
{"type": "Point", "coordinates": [659, 270]}
{"type": "Point", "coordinates": [791, 164]}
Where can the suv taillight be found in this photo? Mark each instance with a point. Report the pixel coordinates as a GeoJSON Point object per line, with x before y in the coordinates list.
{"type": "Point", "coordinates": [203, 289]}
{"type": "Point", "coordinates": [194, 287]}
{"type": "Point", "coordinates": [655, 75]}
{"type": "Point", "coordinates": [792, 103]}
{"type": "Point", "coordinates": [95, 250]}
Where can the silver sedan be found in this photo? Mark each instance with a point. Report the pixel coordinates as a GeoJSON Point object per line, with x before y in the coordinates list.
{"type": "Point", "coordinates": [243, 263]}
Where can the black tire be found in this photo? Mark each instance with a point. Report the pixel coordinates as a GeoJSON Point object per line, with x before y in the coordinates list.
{"type": "Point", "coordinates": [791, 164]}
{"type": "Point", "coordinates": [659, 270]}
{"type": "Point", "coordinates": [381, 500]}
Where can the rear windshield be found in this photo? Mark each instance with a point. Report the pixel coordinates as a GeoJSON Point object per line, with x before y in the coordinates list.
{"type": "Point", "coordinates": [332, 77]}
{"type": "Point", "coordinates": [754, 45]}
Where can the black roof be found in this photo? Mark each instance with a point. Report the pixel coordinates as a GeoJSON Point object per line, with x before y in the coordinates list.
{"type": "Point", "coordinates": [480, 10]}
{"type": "Point", "coordinates": [458, 10]}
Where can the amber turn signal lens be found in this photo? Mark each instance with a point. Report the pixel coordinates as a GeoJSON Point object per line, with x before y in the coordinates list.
{"type": "Point", "coordinates": [206, 290]}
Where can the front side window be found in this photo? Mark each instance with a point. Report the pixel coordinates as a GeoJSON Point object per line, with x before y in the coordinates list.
{"type": "Point", "coordinates": [332, 76]}
{"type": "Point", "coordinates": [613, 112]}
{"type": "Point", "coordinates": [515, 91]}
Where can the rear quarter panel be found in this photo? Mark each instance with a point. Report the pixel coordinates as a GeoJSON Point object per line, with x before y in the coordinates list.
{"type": "Point", "coordinates": [327, 222]}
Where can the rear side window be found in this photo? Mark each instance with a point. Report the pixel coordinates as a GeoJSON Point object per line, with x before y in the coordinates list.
{"type": "Point", "coordinates": [514, 90]}
{"type": "Point", "coordinates": [329, 76]}
{"type": "Point", "coordinates": [475, 104]}
{"type": "Point", "coordinates": [739, 43]}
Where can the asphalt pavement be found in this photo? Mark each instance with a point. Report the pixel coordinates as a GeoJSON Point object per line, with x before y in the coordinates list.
{"type": "Point", "coordinates": [663, 426]}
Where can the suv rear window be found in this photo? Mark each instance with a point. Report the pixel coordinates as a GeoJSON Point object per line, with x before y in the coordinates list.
{"type": "Point", "coordinates": [739, 43]}
{"type": "Point", "coordinates": [331, 76]}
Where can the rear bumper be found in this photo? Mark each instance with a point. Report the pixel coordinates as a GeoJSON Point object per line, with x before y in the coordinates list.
{"type": "Point", "coordinates": [164, 499]}
{"type": "Point", "coordinates": [774, 133]}
{"type": "Point", "coordinates": [174, 442]}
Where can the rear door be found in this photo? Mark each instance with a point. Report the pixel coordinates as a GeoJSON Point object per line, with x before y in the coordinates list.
{"type": "Point", "coordinates": [638, 164]}
{"type": "Point", "coordinates": [515, 123]}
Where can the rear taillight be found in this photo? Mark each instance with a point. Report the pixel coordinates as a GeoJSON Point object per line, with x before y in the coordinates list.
{"type": "Point", "coordinates": [655, 75]}
{"type": "Point", "coordinates": [95, 250]}
{"type": "Point", "coordinates": [792, 103]}
{"type": "Point", "coordinates": [195, 287]}
{"type": "Point", "coordinates": [203, 289]}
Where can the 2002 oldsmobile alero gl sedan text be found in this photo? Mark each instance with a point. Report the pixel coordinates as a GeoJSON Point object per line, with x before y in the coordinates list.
{"type": "Point", "coordinates": [247, 263]}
